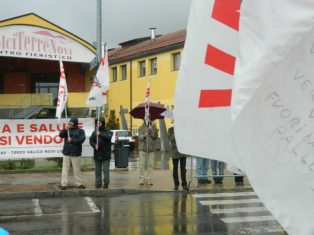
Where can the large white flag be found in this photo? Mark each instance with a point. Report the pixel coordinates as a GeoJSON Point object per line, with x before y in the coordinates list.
{"type": "Point", "coordinates": [273, 107]}
{"type": "Point", "coordinates": [62, 93]}
{"type": "Point", "coordinates": [98, 93]}
{"type": "Point", "coordinates": [203, 87]}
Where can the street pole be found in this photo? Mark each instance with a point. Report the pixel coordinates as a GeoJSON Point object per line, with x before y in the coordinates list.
{"type": "Point", "coordinates": [98, 32]}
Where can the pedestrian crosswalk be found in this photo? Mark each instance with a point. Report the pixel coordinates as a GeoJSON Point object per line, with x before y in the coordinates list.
{"type": "Point", "coordinates": [240, 211]}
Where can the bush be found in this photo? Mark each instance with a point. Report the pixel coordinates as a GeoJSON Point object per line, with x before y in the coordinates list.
{"type": "Point", "coordinates": [15, 164]}
{"type": "Point", "coordinates": [8, 165]}
{"type": "Point", "coordinates": [56, 160]}
{"type": "Point", "coordinates": [112, 123]}
{"type": "Point", "coordinates": [27, 163]}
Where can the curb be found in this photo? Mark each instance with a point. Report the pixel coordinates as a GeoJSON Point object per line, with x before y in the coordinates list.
{"type": "Point", "coordinates": [104, 192]}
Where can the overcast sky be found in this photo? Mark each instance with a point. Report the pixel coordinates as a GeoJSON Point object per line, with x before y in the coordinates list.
{"type": "Point", "coordinates": [122, 20]}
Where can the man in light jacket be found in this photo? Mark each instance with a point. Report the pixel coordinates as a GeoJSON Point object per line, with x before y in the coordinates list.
{"type": "Point", "coordinates": [147, 136]}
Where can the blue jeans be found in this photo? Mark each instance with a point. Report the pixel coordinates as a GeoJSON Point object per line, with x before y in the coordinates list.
{"type": "Point", "coordinates": [202, 165]}
{"type": "Point", "coordinates": [102, 167]}
{"type": "Point", "coordinates": [221, 166]}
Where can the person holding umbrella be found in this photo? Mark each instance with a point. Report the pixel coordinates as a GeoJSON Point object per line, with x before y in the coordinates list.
{"type": "Point", "coordinates": [147, 136]}
{"type": "Point", "coordinates": [100, 140]}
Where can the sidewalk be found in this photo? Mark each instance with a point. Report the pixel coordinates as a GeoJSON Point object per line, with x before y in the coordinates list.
{"type": "Point", "coordinates": [121, 181]}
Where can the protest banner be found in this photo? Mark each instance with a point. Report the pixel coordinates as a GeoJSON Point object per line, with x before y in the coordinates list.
{"type": "Point", "coordinates": [37, 138]}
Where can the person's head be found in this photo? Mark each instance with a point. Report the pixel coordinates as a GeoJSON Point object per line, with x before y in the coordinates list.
{"type": "Point", "coordinates": [100, 122]}
{"type": "Point", "coordinates": [73, 122]}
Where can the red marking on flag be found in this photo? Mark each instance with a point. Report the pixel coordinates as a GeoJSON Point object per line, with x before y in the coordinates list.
{"type": "Point", "coordinates": [215, 98]}
{"type": "Point", "coordinates": [147, 92]}
{"type": "Point", "coordinates": [219, 59]}
{"type": "Point", "coordinates": [103, 60]}
{"type": "Point", "coordinates": [227, 12]}
{"type": "Point", "coordinates": [104, 93]}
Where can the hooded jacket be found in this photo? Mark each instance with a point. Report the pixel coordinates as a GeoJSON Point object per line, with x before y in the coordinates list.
{"type": "Point", "coordinates": [77, 135]}
{"type": "Point", "coordinates": [104, 144]}
{"type": "Point", "coordinates": [175, 154]}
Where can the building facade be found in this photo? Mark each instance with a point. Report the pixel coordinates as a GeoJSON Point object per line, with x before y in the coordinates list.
{"type": "Point", "coordinates": [30, 50]}
{"type": "Point", "coordinates": [140, 60]}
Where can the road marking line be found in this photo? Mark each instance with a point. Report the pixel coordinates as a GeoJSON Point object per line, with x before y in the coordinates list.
{"type": "Point", "coordinates": [226, 202]}
{"type": "Point", "coordinates": [248, 219]}
{"type": "Point", "coordinates": [92, 205]}
{"type": "Point", "coordinates": [37, 210]}
{"type": "Point", "coordinates": [260, 229]}
{"type": "Point", "coordinates": [237, 210]}
{"type": "Point", "coordinates": [236, 194]}
{"type": "Point", "coordinates": [52, 214]}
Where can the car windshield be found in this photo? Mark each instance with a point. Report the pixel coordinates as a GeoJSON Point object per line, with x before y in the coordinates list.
{"type": "Point", "coordinates": [123, 133]}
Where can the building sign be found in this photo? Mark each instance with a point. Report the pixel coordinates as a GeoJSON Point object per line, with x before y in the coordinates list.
{"type": "Point", "coordinates": [40, 43]}
{"type": "Point", "coordinates": [23, 138]}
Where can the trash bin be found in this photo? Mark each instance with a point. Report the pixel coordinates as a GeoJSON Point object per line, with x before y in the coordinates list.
{"type": "Point", "coordinates": [122, 153]}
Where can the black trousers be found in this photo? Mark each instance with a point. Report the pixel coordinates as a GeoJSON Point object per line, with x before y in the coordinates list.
{"type": "Point", "coordinates": [182, 171]}
{"type": "Point", "coordinates": [238, 178]}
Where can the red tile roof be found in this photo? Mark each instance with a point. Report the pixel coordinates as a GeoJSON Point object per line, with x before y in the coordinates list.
{"type": "Point", "coordinates": [147, 46]}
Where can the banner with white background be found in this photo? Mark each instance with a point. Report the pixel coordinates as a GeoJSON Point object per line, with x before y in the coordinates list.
{"type": "Point", "coordinates": [22, 138]}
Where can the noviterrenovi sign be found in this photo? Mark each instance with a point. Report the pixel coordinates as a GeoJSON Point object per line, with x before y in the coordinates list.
{"type": "Point", "coordinates": [41, 43]}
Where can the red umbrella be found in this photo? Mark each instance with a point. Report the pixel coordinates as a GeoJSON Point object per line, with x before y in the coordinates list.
{"type": "Point", "coordinates": [155, 109]}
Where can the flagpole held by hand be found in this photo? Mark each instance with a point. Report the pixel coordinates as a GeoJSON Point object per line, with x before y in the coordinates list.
{"type": "Point", "coordinates": [97, 126]}
{"type": "Point", "coordinates": [66, 118]}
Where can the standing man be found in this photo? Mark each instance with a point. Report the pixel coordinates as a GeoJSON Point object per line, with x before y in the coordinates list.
{"type": "Point", "coordinates": [147, 136]}
{"type": "Point", "coordinates": [100, 140]}
{"type": "Point", "coordinates": [73, 137]}
{"type": "Point", "coordinates": [176, 158]}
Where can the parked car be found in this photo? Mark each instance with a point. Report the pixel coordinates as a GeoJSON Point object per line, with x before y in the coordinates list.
{"type": "Point", "coordinates": [120, 135]}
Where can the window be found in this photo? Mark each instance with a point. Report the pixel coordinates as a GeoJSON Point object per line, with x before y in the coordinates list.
{"type": "Point", "coordinates": [114, 74]}
{"type": "Point", "coordinates": [142, 68]}
{"type": "Point", "coordinates": [176, 60]}
{"type": "Point", "coordinates": [123, 72]}
{"type": "Point", "coordinates": [153, 66]}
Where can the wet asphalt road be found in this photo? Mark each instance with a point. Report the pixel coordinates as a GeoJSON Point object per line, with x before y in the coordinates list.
{"type": "Point", "coordinates": [140, 214]}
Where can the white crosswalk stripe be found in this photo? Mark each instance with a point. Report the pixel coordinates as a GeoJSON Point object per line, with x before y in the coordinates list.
{"type": "Point", "coordinates": [248, 219]}
{"type": "Point", "coordinates": [226, 202]}
{"type": "Point", "coordinates": [236, 208]}
{"type": "Point", "coordinates": [236, 194]}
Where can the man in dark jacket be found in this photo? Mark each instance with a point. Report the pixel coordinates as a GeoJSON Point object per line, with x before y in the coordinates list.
{"type": "Point", "coordinates": [176, 158]}
{"type": "Point", "coordinates": [73, 137]}
{"type": "Point", "coordinates": [100, 140]}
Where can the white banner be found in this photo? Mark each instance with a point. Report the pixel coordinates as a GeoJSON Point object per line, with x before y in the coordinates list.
{"type": "Point", "coordinates": [39, 138]}
{"type": "Point", "coordinates": [273, 102]}
{"type": "Point", "coordinates": [203, 89]}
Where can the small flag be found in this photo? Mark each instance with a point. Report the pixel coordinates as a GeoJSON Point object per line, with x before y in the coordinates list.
{"type": "Point", "coordinates": [147, 104]}
{"type": "Point", "coordinates": [63, 92]}
{"type": "Point", "coordinates": [100, 86]}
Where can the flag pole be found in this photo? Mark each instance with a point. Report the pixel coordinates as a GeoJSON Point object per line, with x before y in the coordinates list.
{"type": "Point", "coordinates": [66, 117]}
{"type": "Point", "coordinates": [97, 126]}
{"type": "Point", "coordinates": [103, 48]}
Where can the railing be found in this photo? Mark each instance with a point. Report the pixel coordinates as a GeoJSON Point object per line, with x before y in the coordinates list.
{"type": "Point", "coordinates": [10, 104]}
